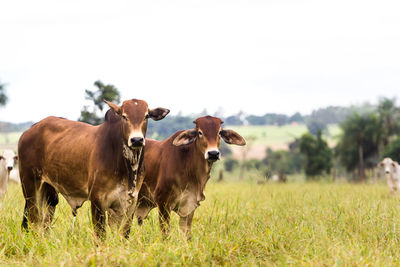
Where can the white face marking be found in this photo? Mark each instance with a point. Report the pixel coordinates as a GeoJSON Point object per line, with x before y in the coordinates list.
{"type": "Point", "coordinates": [210, 150]}
{"type": "Point", "coordinates": [135, 103]}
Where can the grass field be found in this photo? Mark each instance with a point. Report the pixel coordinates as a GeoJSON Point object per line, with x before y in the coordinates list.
{"type": "Point", "coordinates": [238, 224]}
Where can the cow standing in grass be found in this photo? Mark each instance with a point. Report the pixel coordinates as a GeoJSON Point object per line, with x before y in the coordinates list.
{"type": "Point", "coordinates": [7, 160]}
{"type": "Point", "coordinates": [392, 174]}
{"type": "Point", "coordinates": [178, 168]}
{"type": "Point", "coordinates": [82, 162]}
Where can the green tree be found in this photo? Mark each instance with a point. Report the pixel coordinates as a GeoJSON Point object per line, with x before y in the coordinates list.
{"type": "Point", "coordinates": [3, 96]}
{"type": "Point", "coordinates": [318, 155]}
{"type": "Point", "coordinates": [283, 162]}
{"type": "Point", "coordinates": [314, 126]}
{"type": "Point", "coordinates": [392, 150]}
{"type": "Point", "coordinates": [230, 164]}
{"type": "Point", "coordinates": [93, 114]}
{"type": "Point", "coordinates": [388, 113]}
{"type": "Point", "coordinates": [359, 144]}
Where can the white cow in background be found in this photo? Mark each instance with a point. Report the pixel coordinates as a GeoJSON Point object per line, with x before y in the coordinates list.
{"type": "Point", "coordinates": [392, 174]}
{"type": "Point", "coordinates": [7, 160]}
{"type": "Point", "coordinates": [14, 176]}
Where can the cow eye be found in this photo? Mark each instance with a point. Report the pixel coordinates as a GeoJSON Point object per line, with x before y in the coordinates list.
{"type": "Point", "coordinates": [124, 117]}
{"type": "Point", "coordinates": [147, 116]}
{"type": "Point", "coordinates": [200, 133]}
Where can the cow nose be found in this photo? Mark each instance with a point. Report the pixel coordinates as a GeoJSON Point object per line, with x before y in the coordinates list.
{"type": "Point", "coordinates": [388, 172]}
{"type": "Point", "coordinates": [9, 168]}
{"type": "Point", "coordinates": [137, 141]}
{"type": "Point", "coordinates": [213, 155]}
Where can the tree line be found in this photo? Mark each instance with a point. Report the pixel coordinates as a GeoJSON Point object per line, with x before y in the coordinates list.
{"type": "Point", "coordinates": [366, 138]}
{"type": "Point", "coordinates": [369, 133]}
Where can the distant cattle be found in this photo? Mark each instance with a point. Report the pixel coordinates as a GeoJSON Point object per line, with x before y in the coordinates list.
{"type": "Point", "coordinates": [178, 168]}
{"type": "Point", "coordinates": [392, 174]}
{"type": "Point", "coordinates": [82, 162]}
{"type": "Point", "coordinates": [7, 161]}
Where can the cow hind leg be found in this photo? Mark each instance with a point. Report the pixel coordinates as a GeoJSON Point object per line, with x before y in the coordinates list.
{"type": "Point", "coordinates": [49, 201]}
{"type": "Point", "coordinates": [31, 210]}
{"type": "Point", "coordinates": [24, 224]}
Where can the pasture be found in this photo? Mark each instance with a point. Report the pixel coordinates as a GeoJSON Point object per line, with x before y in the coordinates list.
{"type": "Point", "coordinates": [272, 135]}
{"type": "Point", "coordinates": [239, 223]}
{"type": "Point", "coordinates": [260, 137]}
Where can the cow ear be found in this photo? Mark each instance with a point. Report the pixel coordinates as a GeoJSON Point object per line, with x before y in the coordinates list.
{"type": "Point", "coordinates": [185, 138]}
{"type": "Point", "coordinates": [232, 137]}
{"type": "Point", "coordinates": [116, 108]}
{"type": "Point", "coordinates": [158, 113]}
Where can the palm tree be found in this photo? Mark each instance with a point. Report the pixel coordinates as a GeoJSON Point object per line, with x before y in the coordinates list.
{"type": "Point", "coordinates": [388, 111]}
{"type": "Point", "coordinates": [360, 141]}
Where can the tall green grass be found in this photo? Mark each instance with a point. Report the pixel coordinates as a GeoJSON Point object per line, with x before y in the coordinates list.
{"type": "Point", "coordinates": [238, 224]}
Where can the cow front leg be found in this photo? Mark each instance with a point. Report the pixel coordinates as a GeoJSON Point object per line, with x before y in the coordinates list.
{"type": "Point", "coordinates": [163, 217]}
{"type": "Point", "coordinates": [98, 219]}
{"type": "Point", "coordinates": [120, 221]}
{"type": "Point", "coordinates": [185, 225]}
{"type": "Point", "coordinates": [114, 219]}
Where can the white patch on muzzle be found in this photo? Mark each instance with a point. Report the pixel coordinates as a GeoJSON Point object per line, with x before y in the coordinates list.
{"type": "Point", "coordinates": [213, 149]}
{"type": "Point", "coordinates": [136, 134]}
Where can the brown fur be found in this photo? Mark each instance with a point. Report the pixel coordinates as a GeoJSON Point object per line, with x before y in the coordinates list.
{"type": "Point", "coordinates": [82, 162]}
{"type": "Point", "coordinates": [177, 171]}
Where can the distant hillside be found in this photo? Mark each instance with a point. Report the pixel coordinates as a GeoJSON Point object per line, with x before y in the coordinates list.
{"type": "Point", "coordinates": [8, 127]}
{"type": "Point", "coordinates": [162, 129]}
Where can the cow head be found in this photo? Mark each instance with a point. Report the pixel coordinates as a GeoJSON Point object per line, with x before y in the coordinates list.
{"type": "Point", "coordinates": [207, 134]}
{"type": "Point", "coordinates": [135, 114]}
{"type": "Point", "coordinates": [9, 159]}
{"type": "Point", "coordinates": [388, 165]}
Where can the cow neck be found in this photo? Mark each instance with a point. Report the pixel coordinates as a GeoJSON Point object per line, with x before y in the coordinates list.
{"type": "Point", "coordinates": [113, 142]}
{"type": "Point", "coordinates": [127, 160]}
{"type": "Point", "coordinates": [203, 169]}
{"type": "Point", "coordinates": [132, 160]}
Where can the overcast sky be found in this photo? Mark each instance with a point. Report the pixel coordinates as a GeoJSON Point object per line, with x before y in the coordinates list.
{"type": "Point", "coordinates": [257, 56]}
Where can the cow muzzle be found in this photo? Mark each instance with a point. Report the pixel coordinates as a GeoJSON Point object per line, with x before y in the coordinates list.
{"type": "Point", "coordinates": [137, 142]}
{"type": "Point", "coordinates": [212, 155]}
{"type": "Point", "coordinates": [9, 168]}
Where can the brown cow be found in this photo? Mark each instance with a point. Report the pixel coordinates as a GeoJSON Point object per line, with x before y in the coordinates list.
{"type": "Point", "coordinates": [178, 168]}
{"type": "Point", "coordinates": [82, 162]}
